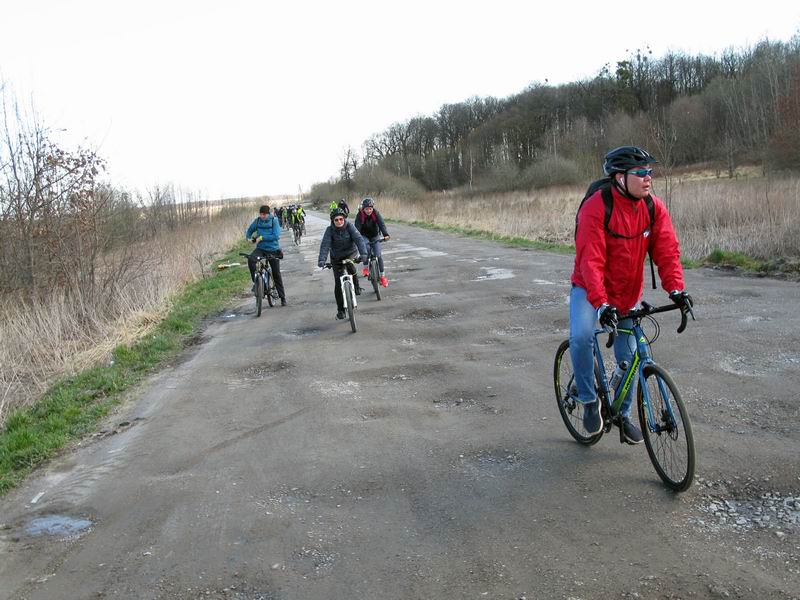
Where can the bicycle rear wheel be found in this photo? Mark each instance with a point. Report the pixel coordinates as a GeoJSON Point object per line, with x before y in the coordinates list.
{"type": "Point", "coordinates": [259, 293]}
{"type": "Point", "coordinates": [669, 441]}
{"type": "Point", "coordinates": [351, 312]}
{"type": "Point", "coordinates": [374, 277]}
{"type": "Point", "coordinates": [567, 396]}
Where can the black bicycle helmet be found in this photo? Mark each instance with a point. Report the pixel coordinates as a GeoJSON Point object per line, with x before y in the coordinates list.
{"type": "Point", "coordinates": [338, 212]}
{"type": "Point", "coordinates": [620, 160]}
{"type": "Point", "coordinates": [367, 202]}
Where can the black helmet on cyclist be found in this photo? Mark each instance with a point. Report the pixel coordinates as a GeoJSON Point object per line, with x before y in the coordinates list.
{"type": "Point", "coordinates": [337, 212]}
{"type": "Point", "coordinates": [620, 160]}
{"type": "Point", "coordinates": [367, 202]}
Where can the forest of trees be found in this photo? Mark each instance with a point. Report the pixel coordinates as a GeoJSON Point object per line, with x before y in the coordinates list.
{"type": "Point", "coordinates": [721, 111]}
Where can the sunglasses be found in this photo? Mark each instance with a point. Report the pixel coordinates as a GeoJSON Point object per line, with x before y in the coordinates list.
{"type": "Point", "coordinates": [641, 172]}
{"type": "Point", "coordinates": [338, 219]}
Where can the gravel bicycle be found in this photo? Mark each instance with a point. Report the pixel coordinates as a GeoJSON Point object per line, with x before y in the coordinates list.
{"type": "Point", "coordinates": [348, 290]}
{"type": "Point", "coordinates": [264, 283]}
{"type": "Point", "coordinates": [663, 417]}
{"type": "Point", "coordinates": [373, 271]}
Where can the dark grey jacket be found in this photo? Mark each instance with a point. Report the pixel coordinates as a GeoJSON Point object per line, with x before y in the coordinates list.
{"type": "Point", "coordinates": [341, 243]}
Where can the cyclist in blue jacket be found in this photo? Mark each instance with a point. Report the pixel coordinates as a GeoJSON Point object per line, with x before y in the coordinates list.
{"type": "Point", "coordinates": [342, 241]}
{"type": "Point", "coordinates": [265, 232]}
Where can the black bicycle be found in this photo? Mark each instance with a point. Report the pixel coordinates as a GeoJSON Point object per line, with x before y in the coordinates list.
{"type": "Point", "coordinates": [373, 271]}
{"type": "Point", "coordinates": [663, 416]}
{"type": "Point", "coordinates": [265, 282]}
{"type": "Point", "coordinates": [297, 231]}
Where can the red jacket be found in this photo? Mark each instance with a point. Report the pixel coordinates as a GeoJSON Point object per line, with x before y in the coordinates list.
{"type": "Point", "coordinates": [611, 269]}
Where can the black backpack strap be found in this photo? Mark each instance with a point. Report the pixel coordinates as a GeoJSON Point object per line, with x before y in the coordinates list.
{"type": "Point", "coordinates": [651, 208]}
{"type": "Point", "coordinates": [608, 204]}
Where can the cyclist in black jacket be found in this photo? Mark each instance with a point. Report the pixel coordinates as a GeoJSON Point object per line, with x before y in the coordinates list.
{"type": "Point", "coordinates": [342, 241]}
{"type": "Point", "coordinates": [370, 225]}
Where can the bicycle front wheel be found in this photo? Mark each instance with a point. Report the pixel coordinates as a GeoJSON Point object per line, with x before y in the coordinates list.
{"type": "Point", "coordinates": [374, 278]}
{"type": "Point", "coordinates": [666, 428]}
{"type": "Point", "coordinates": [259, 293]}
{"type": "Point", "coordinates": [351, 312]}
{"type": "Point", "coordinates": [567, 397]}
{"type": "Point", "coordinates": [269, 289]}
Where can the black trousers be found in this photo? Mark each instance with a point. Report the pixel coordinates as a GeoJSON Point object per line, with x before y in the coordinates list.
{"type": "Point", "coordinates": [274, 264]}
{"type": "Point", "coordinates": [338, 271]}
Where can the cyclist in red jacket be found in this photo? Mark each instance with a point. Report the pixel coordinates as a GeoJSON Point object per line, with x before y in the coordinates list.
{"type": "Point", "coordinates": [608, 278]}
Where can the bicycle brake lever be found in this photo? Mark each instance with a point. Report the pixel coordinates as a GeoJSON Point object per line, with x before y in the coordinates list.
{"type": "Point", "coordinates": [611, 337]}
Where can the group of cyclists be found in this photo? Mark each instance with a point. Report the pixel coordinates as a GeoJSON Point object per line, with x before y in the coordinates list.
{"type": "Point", "coordinates": [291, 215]}
{"type": "Point", "coordinates": [616, 226]}
{"type": "Point", "coordinates": [343, 241]}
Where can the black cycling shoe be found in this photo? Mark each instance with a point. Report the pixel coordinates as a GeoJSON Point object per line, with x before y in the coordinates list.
{"type": "Point", "coordinates": [630, 431]}
{"type": "Point", "coordinates": [341, 315]}
{"type": "Point", "coordinates": [358, 291]}
{"type": "Point", "coordinates": [283, 301]}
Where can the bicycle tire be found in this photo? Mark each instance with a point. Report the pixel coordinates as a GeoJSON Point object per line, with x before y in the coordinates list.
{"type": "Point", "coordinates": [351, 313]}
{"type": "Point", "coordinates": [297, 236]}
{"type": "Point", "coordinates": [570, 409]}
{"type": "Point", "coordinates": [373, 277]}
{"type": "Point", "coordinates": [259, 293]}
{"type": "Point", "coordinates": [269, 287]}
{"type": "Point", "coordinates": [671, 449]}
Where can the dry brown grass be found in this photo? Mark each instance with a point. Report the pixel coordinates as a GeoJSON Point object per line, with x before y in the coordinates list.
{"type": "Point", "coordinates": [757, 216]}
{"type": "Point", "coordinates": [62, 334]}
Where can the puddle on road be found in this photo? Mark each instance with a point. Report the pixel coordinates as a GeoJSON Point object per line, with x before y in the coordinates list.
{"type": "Point", "coordinates": [494, 273]}
{"type": "Point", "coordinates": [301, 332]}
{"type": "Point", "coordinates": [57, 525]}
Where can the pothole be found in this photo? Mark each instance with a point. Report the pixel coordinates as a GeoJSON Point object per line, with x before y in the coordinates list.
{"type": "Point", "coordinates": [425, 314]}
{"type": "Point", "coordinates": [490, 463]}
{"type": "Point", "coordinates": [58, 525]}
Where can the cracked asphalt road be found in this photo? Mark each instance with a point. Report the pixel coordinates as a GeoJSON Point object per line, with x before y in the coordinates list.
{"type": "Point", "coordinates": [424, 456]}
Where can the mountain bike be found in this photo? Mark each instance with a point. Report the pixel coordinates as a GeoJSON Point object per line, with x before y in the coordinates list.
{"type": "Point", "coordinates": [348, 291]}
{"type": "Point", "coordinates": [663, 417]}
{"type": "Point", "coordinates": [264, 283]}
{"type": "Point", "coordinates": [297, 232]}
{"type": "Point", "coordinates": [373, 270]}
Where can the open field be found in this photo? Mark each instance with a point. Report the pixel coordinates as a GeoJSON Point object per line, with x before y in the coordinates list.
{"type": "Point", "coordinates": [757, 216]}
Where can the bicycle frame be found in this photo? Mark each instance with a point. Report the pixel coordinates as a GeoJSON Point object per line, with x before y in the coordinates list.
{"type": "Point", "coordinates": [641, 359]}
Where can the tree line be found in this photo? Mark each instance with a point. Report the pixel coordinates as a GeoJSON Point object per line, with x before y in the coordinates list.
{"type": "Point", "coordinates": [742, 106]}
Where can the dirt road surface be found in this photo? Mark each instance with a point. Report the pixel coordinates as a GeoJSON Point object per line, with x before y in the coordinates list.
{"type": "Point", "coordinates": [423, 457]}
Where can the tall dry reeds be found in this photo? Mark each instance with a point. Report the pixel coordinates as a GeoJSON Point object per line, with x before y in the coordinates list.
{"type": "Point", "coordinates": [62, 332]}
{"type": "Point", "coordinates": [758, 216]}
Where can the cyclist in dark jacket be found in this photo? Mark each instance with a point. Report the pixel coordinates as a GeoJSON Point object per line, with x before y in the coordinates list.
{"type": "Point", "coordinates": [265, 230]}
{"type": "Point", "coordinates": [370, 224]}
{"type": "Point", "coordinates": [608, 277]}
{"type": "Point", "coordinates": [342, 241]}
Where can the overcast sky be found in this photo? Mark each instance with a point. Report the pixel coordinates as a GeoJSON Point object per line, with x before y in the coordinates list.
{"type": "Point", "coordinates": [241, 98]}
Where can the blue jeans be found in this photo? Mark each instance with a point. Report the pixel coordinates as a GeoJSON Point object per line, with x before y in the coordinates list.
{"type": "Point", "coordinates": [376, 250]}
{"type": "Point", "coordinates": [582, 323]}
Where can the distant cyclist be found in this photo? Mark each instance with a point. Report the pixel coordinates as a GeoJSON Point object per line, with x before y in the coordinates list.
{"type": "Point", "coordinates": [344, 207]}
{"type": "Point", "coordinates": [608, 277]}
{"type": "Point", "coordinates": [370, 224]}
{"type": "Point", "coordinates": [265, 231]}
{"type": "Point", "coordinates": [342, 241]}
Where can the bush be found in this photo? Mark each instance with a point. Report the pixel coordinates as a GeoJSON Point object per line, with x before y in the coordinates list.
{"type": "Point", "coordinates": [371, 180]}
{"type": "Point", "coordinates": [550, 171]}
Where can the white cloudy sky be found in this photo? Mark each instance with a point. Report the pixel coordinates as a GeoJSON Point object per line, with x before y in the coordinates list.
{"type": "Point", "coordinates": [246, 98]}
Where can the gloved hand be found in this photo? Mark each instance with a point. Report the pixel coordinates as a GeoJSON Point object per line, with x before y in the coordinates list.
{"type": "Point", "coordinates": [608, 316]}
{"type": "Point", "coordinates": [363, 259]}
{"type": "Point", "coordinates": [682, 299]}
{"type": "Point", "coordinates": [321, 264]}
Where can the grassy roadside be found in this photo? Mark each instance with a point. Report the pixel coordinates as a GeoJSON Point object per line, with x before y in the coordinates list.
{"type": "Point", "coordinates": [735, 261]}
{"type": "Point", "coordinates": [72, 407]}
{"type": "Point", "coordinates": [481, 234]}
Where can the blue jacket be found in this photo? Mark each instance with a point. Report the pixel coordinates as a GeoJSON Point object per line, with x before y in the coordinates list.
{"type": "Point", "coordinates": [341, 243]}
{"type": "Point", "coordinates": [269, 229]}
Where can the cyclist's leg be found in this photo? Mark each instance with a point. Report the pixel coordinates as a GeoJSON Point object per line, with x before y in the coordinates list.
{"type": "Point", "coordinates": [275, 265]}
{"type": "Point", "coordinates": [624, 348]}
{"type": "Point", "coordinates": [338, 271]}
{"type": "Point", "coordinates": [582, 321]}
{"type": "Point", "coordinates": [351, 268]}
{"type": "Point", "coordinates": [376, 250]}
{"type": "Point", "coordinates": [251, 262]}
